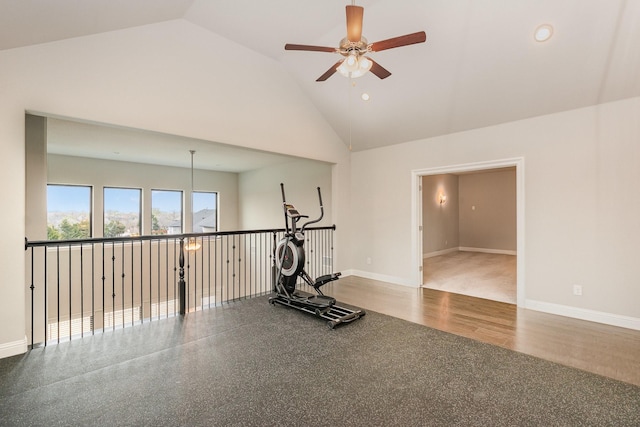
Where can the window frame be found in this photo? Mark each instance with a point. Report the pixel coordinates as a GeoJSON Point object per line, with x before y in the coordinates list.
{"type": "Point", "coordinates": [182, 216]}
{"type": "Point", "coordinates": [90, 205]}
{"type": "Point", "coordinates": [193, 211]}
{"type": "Point", "coordinates": [104, 208]}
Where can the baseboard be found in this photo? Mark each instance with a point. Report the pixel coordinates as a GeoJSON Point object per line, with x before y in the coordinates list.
{"type": "Point", "coordinates": [488, 251]}
{"type": "Point", "coordinates": [12, 348]}
{"type": "Point", "coordinates": [379, 277]}
{"type": "Point", "coordinates": [468, 249]}
{"type": "Point", "coordinates": [584, 314]}
{"type": "Point", "coordinates": [438, 253]}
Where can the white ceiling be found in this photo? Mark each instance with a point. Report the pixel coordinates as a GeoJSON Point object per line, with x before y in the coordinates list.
{"type": "Point", "coordinates": [479, 67]}
{"type": "Point", "coordinates": [96, 140]}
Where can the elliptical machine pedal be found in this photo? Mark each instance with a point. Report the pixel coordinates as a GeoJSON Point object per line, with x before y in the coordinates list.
{"type": "Point", "coordinates": [289, 261]}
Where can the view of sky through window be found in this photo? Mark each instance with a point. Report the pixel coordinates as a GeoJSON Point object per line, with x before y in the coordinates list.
{"type": "Point", "coordinates": [166, 212]}
{"type": "Point", "coordinates": [122, 211]}
{"type": "Point", "coordinates": [68, 212]}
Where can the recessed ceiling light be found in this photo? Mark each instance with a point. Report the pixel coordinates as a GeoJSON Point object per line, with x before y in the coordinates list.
{"type": "Point", "coordinates": [365, 96]}
{"type": "Point", "coordinates": [543, 33]}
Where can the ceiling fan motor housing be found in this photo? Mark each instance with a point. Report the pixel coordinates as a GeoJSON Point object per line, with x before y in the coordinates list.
{"type": "Point", "coordinates": [359, 48]}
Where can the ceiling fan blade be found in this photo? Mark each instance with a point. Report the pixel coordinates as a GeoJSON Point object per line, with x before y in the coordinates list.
{"type": "Point", "coordinates": [378, 69]}
{"type": "Point", "coordinates": [330, 72]}
{"type": "Point", "coordinates": [419, 37]}
{"type": "Point", "coordinates": [289, 46]}
{"type": "Point", "coordinates": [354, 23]}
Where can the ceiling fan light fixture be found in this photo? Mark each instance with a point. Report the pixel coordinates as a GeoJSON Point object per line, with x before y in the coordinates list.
{"type": "Point", "coordinates": [354, 67]}
{"type": "Point", "coordinates": [364, 64]}
{"type": "Point", "coordinates": [351, 63]}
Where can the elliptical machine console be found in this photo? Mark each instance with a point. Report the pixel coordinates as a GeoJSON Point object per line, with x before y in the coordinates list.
{"type": "Point", "coordinates": [289, 261]}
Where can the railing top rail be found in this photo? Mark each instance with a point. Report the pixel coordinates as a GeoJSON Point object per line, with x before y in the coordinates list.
{"type": "Point", "coordinates": [94, 240]}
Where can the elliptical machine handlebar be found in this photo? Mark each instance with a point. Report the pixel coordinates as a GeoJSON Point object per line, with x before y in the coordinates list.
{"type": "Point", "coordinates": [291, 212]}
{"type": "Point", "coordinates": [321, 213]}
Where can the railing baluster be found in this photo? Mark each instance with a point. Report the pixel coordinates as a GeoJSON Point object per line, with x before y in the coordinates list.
{"type": "Point", "coordinates": [133, 298]}
{"type": "Point", "coordinates": [166, 262]}
{"type": "Point", "coordinates": [159, 292]}
{"type": "Point", "coordinates": [227, 281]}
{"type": "Point", "coordinates": [93, 287]}
{"type": "Point", "coordinates": [81, 290]}
{"type": "Point", "coordinates": [233, 266]}
{"type": "Point", "coordinates": [70, 292]}
{"type": "Point", "coordinates": [188, 284]}
{"type": "Point", "coordinates": [32, 287]}
{"type": "Point", "coordinates": [202, 250]}
{"type": "Point", "coordinates": [103, 288]}
{"type": "Point", "coordinates": [58, 287]}
{"type": "Point", "coordinates": [150, 282]}
{"type": "Point", "coordinates": [181, 283]}
{"type": "Point", "coordinates": [209, 272]}
{"type": "Point", "coordinates": [142, 283]}
{"type": "Point", "coordinates": [175, 282]}
{"type": "Point", "coordinates": [46, 297]}
{"type": "Point", "coordinates": [122, 276]}
{"type": "Point", "coordinates": [250, 265]}
{"type": "Point", "coordinates": [113, 286]}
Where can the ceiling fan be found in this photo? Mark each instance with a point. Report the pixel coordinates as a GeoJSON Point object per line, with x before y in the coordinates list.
{"type": "Point", "coordinates": [354, 47]}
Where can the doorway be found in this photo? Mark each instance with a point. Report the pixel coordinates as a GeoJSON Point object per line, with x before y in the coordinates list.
{"type": "Point", "coordinates": [448, 256]}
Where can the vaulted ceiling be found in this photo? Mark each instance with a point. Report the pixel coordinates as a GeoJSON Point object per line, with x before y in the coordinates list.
{"type": "Point", "coordinates": [480, 65]}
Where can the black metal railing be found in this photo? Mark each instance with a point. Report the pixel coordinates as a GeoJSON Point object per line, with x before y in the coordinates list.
{"type": "Point", "coordinates": [86, 286]}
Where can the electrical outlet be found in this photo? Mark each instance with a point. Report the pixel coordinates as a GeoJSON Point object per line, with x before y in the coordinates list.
{"type": "Point", "coordinates": [577, 290]}
{"type": "Point", "coordinates": [369, 260]}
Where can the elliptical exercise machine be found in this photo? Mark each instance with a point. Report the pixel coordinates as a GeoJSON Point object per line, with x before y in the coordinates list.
{"type": "Point", "coordinates": [289, 258]}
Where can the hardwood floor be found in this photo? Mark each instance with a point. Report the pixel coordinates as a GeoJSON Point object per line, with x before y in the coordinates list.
{"type": "Point", "coordinates": [606, 350]}
{"type": "Point", "coordinates": [477, 274]}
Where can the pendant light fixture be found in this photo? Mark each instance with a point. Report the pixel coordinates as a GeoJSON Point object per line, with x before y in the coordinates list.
{"type": "Point", "coordinates": [192, 244]}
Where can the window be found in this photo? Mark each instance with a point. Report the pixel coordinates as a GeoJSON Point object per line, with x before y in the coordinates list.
{"type": "Point", "coordinates": [205, 212]}
{"type": "Point", "coordinates": [68, 212]}
{"type": "Point", "coordinates": [166, 212]}
{"type": "Point", "coordinates": [122, 208]}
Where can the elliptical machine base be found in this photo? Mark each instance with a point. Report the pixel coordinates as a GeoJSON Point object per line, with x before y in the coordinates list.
{"type": "Point", "coordinates": [304, 301]}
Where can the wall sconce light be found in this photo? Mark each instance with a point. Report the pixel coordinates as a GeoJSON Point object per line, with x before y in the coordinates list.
{"type": "Point", "coordinates": [442, 198]}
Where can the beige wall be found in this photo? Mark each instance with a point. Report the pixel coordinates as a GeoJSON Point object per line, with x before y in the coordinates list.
{"type": "Point", "coordinates": [581, 205]}
{"type": "Point", "coordinates": [261, 199]}
{"type": "Point", "coordinates": [440, 222]}
{"type": "Point", "coordinates": [488, 210]}
{"type": "Point", "coordinates": [36, 177]}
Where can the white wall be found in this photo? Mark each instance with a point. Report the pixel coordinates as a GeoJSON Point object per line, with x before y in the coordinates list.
{"type": "Point", "coordinates": [164, 77]}
{"type": "Point", "coordinates": [581, 205]}
{"type": "Point", "coordinates": [261, 199]}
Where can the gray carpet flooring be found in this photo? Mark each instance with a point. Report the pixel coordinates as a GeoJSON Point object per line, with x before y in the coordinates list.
{"type": "Point", "coordinates": [254, 364]}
